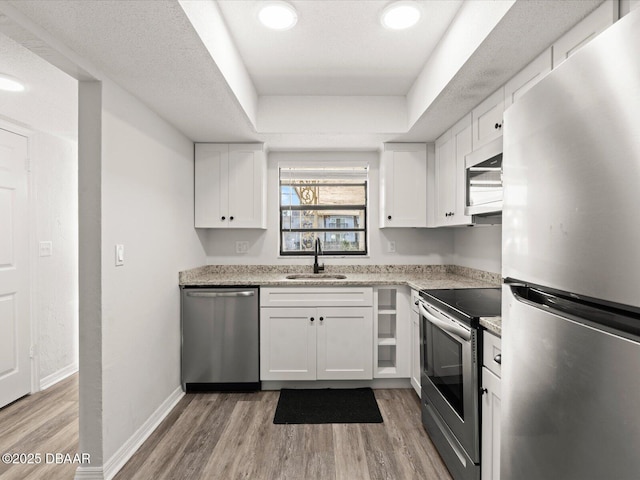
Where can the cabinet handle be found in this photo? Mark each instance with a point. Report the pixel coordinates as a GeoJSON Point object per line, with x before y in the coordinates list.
{"type": "Point", "coordinates": [483, 391]}
{"type": "Point", "coordinates": [312, 319]}
{"type": "Point", "coordinates": [498, 359]}
{"type": "Point", "coordinates": [498, 126]}
{"type": "Point", "coordinates": [230, 218]}
{"type": "Point", "coordinates": [389, 217]}
{"type": "Point", "coordinates": [224, 218]}
{"type": "Point", "coordinates": [321, 319]}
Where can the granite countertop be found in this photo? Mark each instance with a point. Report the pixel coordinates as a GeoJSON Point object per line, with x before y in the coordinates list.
{"type": "Point", "coordinates": [493, 324]}
{"type": "Point", "coordinates": [418, 277]}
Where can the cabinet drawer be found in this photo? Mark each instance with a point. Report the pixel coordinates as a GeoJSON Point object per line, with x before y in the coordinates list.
{"type": "Point", "coordinates": [316, 297]}
{"type": "Point", "coordinates": [492, 348]}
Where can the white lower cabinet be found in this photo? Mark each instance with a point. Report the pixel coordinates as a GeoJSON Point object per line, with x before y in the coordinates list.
{"type": "Point", "coordinates": [415, 343]}
{"type": "Point", "coordinates": [315, 343]}
{"type": "Point", "coordinates": [392, 330]}
{"type": "Point", "coordinates": [287, 344]}
{"type": "Point", "coordinates": [344, 348]}
{"type": "Point", "coordinates": [490, 461]}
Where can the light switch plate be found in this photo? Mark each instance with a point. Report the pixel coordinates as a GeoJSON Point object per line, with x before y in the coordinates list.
{"type": "Point", "coordinates": [242, 247]}
{"type": "Point", "coordinates": [119, 255]}
{"type": "Point", "coordinates": [46, 249]}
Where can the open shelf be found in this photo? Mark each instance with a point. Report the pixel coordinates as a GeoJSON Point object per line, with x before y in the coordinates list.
{"type": "Point", "coordinates": [386, 340]}
{"type": "Point", "coordinates": [386, 370]}
{"type": "Point", "coordinates": [387, 299]}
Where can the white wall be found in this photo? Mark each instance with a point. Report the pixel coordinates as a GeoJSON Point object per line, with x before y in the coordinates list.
{"type": "Point", "coordinates": [55, 180]}
{"type": "Point", "coordinates": [47, 112]}
{"type": "Point", "coordinates": [413, 245]}
{"type": "Point", "coordinates": [147, 205]}
{"type": "Point", "coordinates": [478, 247]}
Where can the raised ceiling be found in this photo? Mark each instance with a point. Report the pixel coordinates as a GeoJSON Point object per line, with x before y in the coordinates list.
{"type": "Point", "coordinates": [206, 68]}
{"type": "Point", "coordinates": [337, 47]}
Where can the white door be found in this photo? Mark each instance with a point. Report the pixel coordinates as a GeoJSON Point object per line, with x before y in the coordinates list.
{"type": "Point", "coordinates": [15, 367]}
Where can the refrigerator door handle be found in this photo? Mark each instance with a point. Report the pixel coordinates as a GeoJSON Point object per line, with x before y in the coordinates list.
{"type": "Point", "coordinates": [220, 294]}
{"type": "Point", "coordinates": [445, 324]}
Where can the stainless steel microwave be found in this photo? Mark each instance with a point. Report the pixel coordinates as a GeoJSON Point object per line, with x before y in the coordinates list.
{"type": "Point", "coordinates": [484, 180]}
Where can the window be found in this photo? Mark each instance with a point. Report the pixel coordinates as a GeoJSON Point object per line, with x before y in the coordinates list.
{"type": "Point", "coordinates": [328, 203]}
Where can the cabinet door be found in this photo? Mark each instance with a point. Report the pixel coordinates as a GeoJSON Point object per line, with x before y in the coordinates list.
{"type": "Point", "coordinates": [288, 343]}
{"type": "Point", "coordinates": [415, 351]}
{"type": "Point", "coordinates": [403, 185]}
{"type": "Point", "coordinates": [211, 185]}
{"type": "Point", "coordinates": [445, 169]}
{"type": "Point", "coordinates": [585, 31]}
{"type": "Point", "coordinates": [527, 78]}
{"type": "Point", "coordinates": [247, 186]}
{"type": "Point", "coordinates": [462, 133]}
{"type": "Point", "coordinates": [345, 343]}
{"type": "Point", "coordinates": [487, 119]}
{"type": "Point", "coordinates": [490, 461]}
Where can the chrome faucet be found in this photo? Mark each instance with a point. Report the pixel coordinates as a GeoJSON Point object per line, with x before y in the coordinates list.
{"type": "Point", "coordinates": [317, 268]}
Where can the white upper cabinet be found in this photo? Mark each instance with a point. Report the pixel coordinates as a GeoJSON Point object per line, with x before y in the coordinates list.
{"type": "Point", "coordinates": [585, 31]}
{"type": "Point", "coordinates": [230, 186]}
{"type": "Point", "coordinates": [445, 171]}
{"type": "Point", "coordinates": [487, 119]}
{"type": "Point", "coordinates": [403, 185]}
{"type": "Point", "coordinates": [450, 189]}
{"type": "Point", "coordinates": [527, 78]}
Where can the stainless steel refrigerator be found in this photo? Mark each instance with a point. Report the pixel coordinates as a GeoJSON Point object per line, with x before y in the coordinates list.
{"type": "Point", "coordinates": [571, 263]}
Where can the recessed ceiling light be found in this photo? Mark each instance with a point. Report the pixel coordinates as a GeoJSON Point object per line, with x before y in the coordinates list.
{"type": "Point", "coordinates": [278, 16]}
{"type": "Point", "coordinates": [10, 84]}
{"type": "Point", "coordinates": [400, 15]}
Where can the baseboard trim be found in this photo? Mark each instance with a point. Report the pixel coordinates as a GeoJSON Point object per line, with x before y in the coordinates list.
{"type": "Point", "coordinates": [89, 473]}
{"type": "Point", "coordinates": [58, 376]}
{"type": "Point", "coordinates": [122, 456]}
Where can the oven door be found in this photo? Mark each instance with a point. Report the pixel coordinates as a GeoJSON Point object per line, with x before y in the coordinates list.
{"type": "Point", "coordinates": [450, 375]}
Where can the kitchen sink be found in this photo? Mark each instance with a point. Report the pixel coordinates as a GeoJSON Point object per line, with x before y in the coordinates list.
{"type": "Point", "coordinates": [315, 276]}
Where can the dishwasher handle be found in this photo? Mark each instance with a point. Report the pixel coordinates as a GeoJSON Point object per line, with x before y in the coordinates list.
{"type": "Point", "coordinates": [248, 293]}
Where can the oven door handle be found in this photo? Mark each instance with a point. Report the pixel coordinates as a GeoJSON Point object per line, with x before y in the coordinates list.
{"type": "Point", "coordinates": [445, 324]}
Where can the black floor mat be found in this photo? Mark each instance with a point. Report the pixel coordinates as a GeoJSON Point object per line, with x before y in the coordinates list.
{"type": "Point", "coordinates": [327, 406]}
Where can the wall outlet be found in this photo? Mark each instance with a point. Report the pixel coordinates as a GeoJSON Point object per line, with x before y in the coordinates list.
{"type": "Point", "coordinates": [46, 249]}
{"type": "Point", "coordinates": [119, 255]}
{"type": "Point", "coordinates": [242, 247]}
{"type": "Point", "coordinates": [391, 247]}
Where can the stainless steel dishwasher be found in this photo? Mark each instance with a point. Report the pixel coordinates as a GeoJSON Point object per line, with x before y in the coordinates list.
{"type": "Point", "coordinates": [220, 339]}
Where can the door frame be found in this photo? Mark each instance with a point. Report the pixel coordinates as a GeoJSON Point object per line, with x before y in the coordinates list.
{"type": "Point", "coordinates": [32, 251]}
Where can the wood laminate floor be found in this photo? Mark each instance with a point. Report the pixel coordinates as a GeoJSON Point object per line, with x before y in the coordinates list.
{"type": "Point", "coordinates": [46, 422]}
{"type": "Point", "coordinates": [232, 436]}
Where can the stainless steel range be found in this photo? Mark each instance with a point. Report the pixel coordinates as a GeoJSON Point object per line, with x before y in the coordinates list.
{"type": "Point", "coordinates": [451, 354]}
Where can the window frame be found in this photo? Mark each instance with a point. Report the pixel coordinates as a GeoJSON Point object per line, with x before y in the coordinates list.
{"type": "Point", "coordinates": [335, 253]}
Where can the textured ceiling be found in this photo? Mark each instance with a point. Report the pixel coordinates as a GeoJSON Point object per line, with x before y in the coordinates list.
{"type": "Point", "coordinates": [337, 47]}
{"type": "Point", "coordinates": [152, 50]}
{"type": "Point", "coordinates": [50, 100]}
